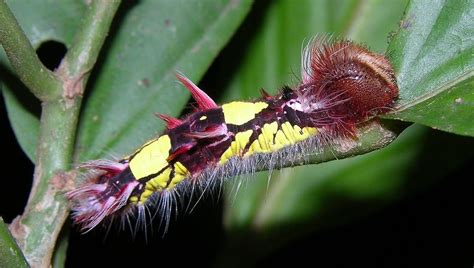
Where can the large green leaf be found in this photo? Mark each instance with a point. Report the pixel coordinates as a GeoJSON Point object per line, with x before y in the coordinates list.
{"type": "Point", "coordinates": [433, 53]}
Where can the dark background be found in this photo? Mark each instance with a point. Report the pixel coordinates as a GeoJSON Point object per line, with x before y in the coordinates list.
{"type": "Point", "coordinates": [432, 227]}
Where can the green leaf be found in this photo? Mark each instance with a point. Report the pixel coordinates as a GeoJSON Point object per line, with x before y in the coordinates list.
{"type": "Point", "coordinates": [451, 110]}
{"type": "Point", "coordinates": [24, 121]}
{"type": "Point", "coordinates": [433, 53]}
{"type": "Point", "coordinates": [10, 253]}
{"type": "Point", "coordinates": [41, 21]}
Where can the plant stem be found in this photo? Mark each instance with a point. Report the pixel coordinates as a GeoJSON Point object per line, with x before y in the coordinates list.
{"type": "Point", "coordinates": [47, 210]}
{"type": "Point", "coordinates": [82, 56]}
{"type": "Point", "coordinates": [38, 228]}
{"type": "Point", "coordinates": [42, 82]}
{"type": "Point", "coordinates": [59, 256]}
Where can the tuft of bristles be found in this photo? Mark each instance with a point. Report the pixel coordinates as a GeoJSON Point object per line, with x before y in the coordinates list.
{"type": "Point", "coordinates": [101, 196]}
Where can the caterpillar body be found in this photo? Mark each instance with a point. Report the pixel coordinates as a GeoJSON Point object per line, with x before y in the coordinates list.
{"type": "Point", "coordinates": [342, 84]}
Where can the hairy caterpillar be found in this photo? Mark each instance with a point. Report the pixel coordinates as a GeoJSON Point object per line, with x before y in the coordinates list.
{"type": "Point", "coordinates": [342, 85]}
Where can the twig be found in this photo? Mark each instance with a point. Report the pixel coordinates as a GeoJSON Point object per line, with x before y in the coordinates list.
{"type": "Point", "coordinates": [38, 228]}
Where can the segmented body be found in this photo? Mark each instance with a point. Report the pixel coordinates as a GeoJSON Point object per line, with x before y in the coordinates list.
{"type": "Point", "coordinates": [342, 84]}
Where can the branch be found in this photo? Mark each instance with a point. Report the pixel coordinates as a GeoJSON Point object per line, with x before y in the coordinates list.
{"type": "Point", "coordinates": [371, 136]}
{"type": "Point", "coordinates": [37, 230]}
{"type": "Point", "coordinates": [82, 56]}
{"type": "Point", "coordinates": [42, 82]}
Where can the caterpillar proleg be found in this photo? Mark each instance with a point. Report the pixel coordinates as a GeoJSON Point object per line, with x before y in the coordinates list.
{"type": "Point", "coordinates": [342, 84]}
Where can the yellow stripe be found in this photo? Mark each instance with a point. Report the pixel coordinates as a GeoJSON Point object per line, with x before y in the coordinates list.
{"type": "Point", "coordinates": [151, 158]}
{"type": "Point", "coordinates": [180, 168]}
{"type": "Point", "coordinates": [180, 173]}
{"type": "Point", "coordinates": [237, 146]}
{"type": "Point", "coordinates": [287, 135]}
{"type": "Point", "coordinates": [176, 179]}
{"type": "Point", "coordinates": [268, 132]}
{"type": "Point", "coordinates": [289, 132]}
{"type": "Point", "coordinates": [159, 182]}
{"type": "Point", "coordinates": [239, 112]}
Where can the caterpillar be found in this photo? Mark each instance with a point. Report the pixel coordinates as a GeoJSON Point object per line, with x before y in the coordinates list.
{"type": "Point", "coordinates": [342, 84]}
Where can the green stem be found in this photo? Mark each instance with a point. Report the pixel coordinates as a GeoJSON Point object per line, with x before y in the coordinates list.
{"type": "Point", "coordinates": [82, 56]}
{"type": "Point", "coordinates": [38, 228]}
{"type": "Point", "coordinates": [42, 82]}
{"type": "Point", "coordinates": [47, 209]}
{"type": "Point", "coordinates": [59, 256]}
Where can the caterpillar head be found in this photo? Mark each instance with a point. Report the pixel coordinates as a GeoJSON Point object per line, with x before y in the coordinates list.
{"type": "Point", "coordinates": [348, 78]}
